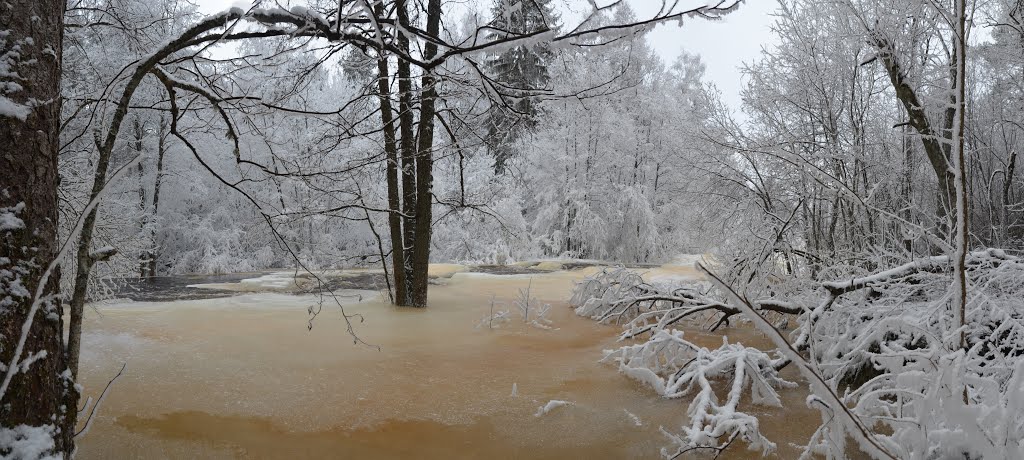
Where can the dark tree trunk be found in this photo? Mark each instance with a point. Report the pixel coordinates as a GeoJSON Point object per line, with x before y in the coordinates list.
{"type": "Point", "coordinates": [938, 155]}
{"type": "Point", "coordinates": [425, 162]}
{"type": "Point", "coordinates": [906, 188]}
{"type": "Point", "coordinates": [42, 394]}
{"type": "Point", "coordinates": [407, 120]}
{"type": "Point", "coordinates": [394, 205]}
{"type": "Point", "coordinates": [161, 148]}
{"type": "Point", "coordinates": [962, 214]}
{"type": "Point", "coordinates": [139, 133]}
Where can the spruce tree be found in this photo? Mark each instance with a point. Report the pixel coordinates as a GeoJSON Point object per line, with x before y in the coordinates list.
{"type": "Point", "coordinates": [520, 73]}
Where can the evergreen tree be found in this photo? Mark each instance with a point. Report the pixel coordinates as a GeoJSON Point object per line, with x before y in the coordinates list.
{"type": "Point", "coordinates": [519, 73]}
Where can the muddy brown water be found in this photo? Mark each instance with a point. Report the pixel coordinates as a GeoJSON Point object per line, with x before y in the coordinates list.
{"type": "Point", "coordinates": [244, 377]}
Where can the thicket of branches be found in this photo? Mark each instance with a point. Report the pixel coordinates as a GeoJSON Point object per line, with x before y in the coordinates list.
{"type": "Point", "coordinates": [859, 200]}
{"type": "Point", "coordinates": [253, 137]}
{"type": "Point", "coordinates": [879, 215]}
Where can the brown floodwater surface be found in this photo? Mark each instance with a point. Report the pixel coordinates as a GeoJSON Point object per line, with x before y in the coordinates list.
{"type": "Point", "coordinates": [244, 377]}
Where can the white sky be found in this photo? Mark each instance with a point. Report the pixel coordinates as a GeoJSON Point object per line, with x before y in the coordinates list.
{"type": "Point", "coordinates": [723, 45]}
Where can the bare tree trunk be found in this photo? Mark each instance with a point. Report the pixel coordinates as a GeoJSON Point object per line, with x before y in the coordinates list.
{"type": "Point", "coordinates": [917, 118]}
{"type": "Point", "coordinates": [961, 239]}
{"type": "Point", "coordinates": [425, 162]}
{"type": "Point", "coordinates": [394, 204]}
{"type": "Point", "coordinates": [408, 148]}
{"type": "Point", "coordinates": [907, 190]}
{"type": "Point", "coordinates": [84, 263]}
{"type": "Point", "coordinates": [139, 132]}
{"type": "Point", "coordinates": [160, 150]}
{"type": "Point", "coordinates": [37, 393]}
{"type": "Point", "coordinates": [1007, 187]}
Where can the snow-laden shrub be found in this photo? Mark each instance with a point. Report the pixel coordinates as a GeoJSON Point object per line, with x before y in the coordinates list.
{"type": "Point", "coordinates": [890, 353]}
{"type": "Point", "coordinates": [877, 348]}
{"type": "Point", "coordinates": [603, 294]}
{"type": "Point", "coordinates": [635, 231]}
{"type": "Point", "coordinates": [530, 309]}
{"type": "Point", "coordinates": [621, 296]}
{"type": "Point", "coordinates": [677, 368]}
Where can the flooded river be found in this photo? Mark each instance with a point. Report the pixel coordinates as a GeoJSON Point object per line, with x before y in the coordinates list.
{"type": "Point", "coordinates": [243, 376]}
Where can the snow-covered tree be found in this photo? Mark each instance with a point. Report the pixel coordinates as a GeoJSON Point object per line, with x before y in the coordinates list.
{"type": "Point", "coordinates": [37, 395]}
{"type": "Point", "coordinates": [518, 75]}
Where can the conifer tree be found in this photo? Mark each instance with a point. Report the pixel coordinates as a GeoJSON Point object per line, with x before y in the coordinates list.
{"type": "Point", "coordinates": [519, 74]}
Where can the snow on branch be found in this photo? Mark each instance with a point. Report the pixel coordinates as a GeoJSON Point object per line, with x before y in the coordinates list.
{"type": "Point", "coordinates": [677, 368]}
{"type": "Point", "coordinates": [619, 295]}
{"type": "Point", "coordinates": [928, 264]}
{"type": "Point", "coordinates": [881, 369]}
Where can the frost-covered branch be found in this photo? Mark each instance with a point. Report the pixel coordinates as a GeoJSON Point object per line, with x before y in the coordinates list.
{"type": "Point", "coordinates": [677, 368]}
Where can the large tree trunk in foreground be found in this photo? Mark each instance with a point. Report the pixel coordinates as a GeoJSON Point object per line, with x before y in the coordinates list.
{"type": "Point", "coordinates": [425, 163]}
{"type": "Point", "coordinates": [394, 206]}
{"type": "Point", "coordinates": [407, 120]}
{"type": "Point", "coordinates": [38, 393]}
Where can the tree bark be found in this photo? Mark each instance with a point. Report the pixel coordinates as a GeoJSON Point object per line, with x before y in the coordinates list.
{"type": "Point", "coordinates": [960, 171]}
{"type": "Point", "coordinates": [407, 121]}
{"type": "Point", "coordinates": [139, 132]}
{"type": "Point", "coordinates": [425, 162]}
{"type": "Point", "coordinates": [394, 205]}
{"type": "Point", "coordinates": [42, 393]}
{"type": "Point", "coordinates": [161, 149]}
{"type": "Point", "coordinates": [938, 156]}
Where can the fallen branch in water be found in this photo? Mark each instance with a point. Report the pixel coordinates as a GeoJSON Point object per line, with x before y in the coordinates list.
{"type": "Point", "coordinates": [99, 401]}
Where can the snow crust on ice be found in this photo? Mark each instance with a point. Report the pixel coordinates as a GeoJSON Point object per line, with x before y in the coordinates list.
{"type": "Point", "coordinates": [269, 282]}
{"type": "Point", "coordinates": [445, 270]}
{"type": "Point", "coordinates": [523, 276]}
{"type": "Point", "coordinates": [687, 260]}
{"type": "Point", "coordinates": [549, 265]}
{"type": "Point", "coordinates": [550, 406]}
{"type": "Point", "coordinates": [636, 420]}
{"type": "Point", "coordinates": [278, 280]}
{"type": "Point", "coordinates": [105, 345]}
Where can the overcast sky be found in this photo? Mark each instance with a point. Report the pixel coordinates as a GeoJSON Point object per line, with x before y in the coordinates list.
{"type": "Point", "coordinates": [723, 45]}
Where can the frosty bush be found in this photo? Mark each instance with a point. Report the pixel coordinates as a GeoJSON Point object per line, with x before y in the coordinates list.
{"type": "Point", "coordinates": [889, 351]}
{"type": "Point", "coordinates": [601, 297]}
{"type": "Point", "coordinates": [876, 351]}
{"type": "Point", "coordinates": [677, 368]}
{"type": "Point", "coordinates": [530, 310]}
